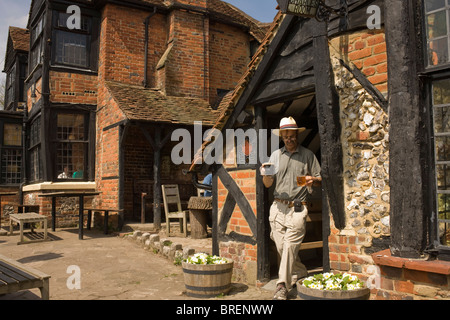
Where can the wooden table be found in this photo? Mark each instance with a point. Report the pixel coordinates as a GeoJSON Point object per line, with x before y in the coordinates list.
{"type": "Point", "coordinates": [199, 209]}
{"type": "Point", "coordinates": [29, 217]}
{"type": "Point", "coordinates": [106, 211]}
{"type": "Point", "coordinates": [15, 276]}
{"type": "Point", "coordinates": [1, 208]}
{"type": "Point", "coordinates": [69, 194]}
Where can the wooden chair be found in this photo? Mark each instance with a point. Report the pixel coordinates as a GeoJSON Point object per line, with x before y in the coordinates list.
{"type": "Point", "coordinates": [171, 196]}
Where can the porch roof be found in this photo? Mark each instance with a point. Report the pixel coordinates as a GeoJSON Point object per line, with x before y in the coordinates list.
{"type": "Point", "coordinates": [143, 104]}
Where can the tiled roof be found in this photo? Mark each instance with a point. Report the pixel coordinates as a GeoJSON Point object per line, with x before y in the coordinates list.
{"type": "Point", "coordinates": [219, 8]}
{"type": "Point", "coordinates": [229, 102]}
{"type": "Point", "coordinates": [138, 103]}
{"type": "Point", "coordinates": [20, 38]}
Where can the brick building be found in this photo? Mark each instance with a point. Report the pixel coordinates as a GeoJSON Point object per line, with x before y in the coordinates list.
{"type": "Point", "coordinates": [374, 102]}
{"type": "Point", "coordinates": [102, 91]}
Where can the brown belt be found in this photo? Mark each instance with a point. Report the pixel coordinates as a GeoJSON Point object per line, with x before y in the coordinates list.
{"type": "Point", "coordinates": [290, 204]}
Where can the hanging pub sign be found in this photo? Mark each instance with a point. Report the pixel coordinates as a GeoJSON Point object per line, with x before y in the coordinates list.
{"type": "Point", "coordinates": [311, 9]}
{"type": "Point", "coordinates": [303, 8]}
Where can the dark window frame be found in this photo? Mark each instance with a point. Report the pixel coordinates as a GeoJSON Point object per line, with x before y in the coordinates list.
{"type": "Point", "coordinates": [8, 148]}
{"type": "Point", "coordinates": [87, 141]}
{"type": "Point", "coordinates": [90, 34]}
{"type": "Point", "coordinates": [34, 150]}
{"type": "Point", "coordinates": [429, 75]}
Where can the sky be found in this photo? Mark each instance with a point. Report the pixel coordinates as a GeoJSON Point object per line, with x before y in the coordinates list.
{"type": "Point", "coordinates": [15, 13]}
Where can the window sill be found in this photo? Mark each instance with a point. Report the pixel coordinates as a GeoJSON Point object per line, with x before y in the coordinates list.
{"type": "Point", "coordinates": [384, 258]}
{"type": "Point", "coordinates": [60, 186]}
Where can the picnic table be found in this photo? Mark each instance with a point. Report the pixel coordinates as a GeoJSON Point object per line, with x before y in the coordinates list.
{"type": "Point", "coordinates": [80, 195]}
{"type": "Point", "coordinates": [29, 217]}
{"type": "Point", "coordinates": [15, 276]}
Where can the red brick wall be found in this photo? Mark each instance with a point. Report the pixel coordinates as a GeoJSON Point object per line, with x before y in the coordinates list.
{"type": "Point", "coordinates": [244, 255]}
{"type": "Point", "coordinates": [73, 88]}
{"type": "Point", "coordinates": [186, 71]}
{"type": "Point", "coordinates": [231, 51]}
{"type": "Point", "coordinates": [367, 51]}
{"type": "Point", "coordinates": [107, 149]}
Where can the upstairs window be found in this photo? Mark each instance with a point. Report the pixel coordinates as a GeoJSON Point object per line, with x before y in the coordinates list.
{"type": "Point", "coordinates": [37, 44]}
{"type": "Point", "coordinates": [437, 16]}
{"type": "Point", "coordinates": [72, 47]}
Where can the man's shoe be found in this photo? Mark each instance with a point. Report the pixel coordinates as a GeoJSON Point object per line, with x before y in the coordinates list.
{"type": "Point", "coordinates": [280, 293]}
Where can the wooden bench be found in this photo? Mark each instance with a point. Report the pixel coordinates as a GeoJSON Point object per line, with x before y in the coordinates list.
{"type": "Point", "coordinates": [29, 217]}
{"type": "Point", "coordinates": [106, 211]}
{"type": "Point", "coordinates": [15, 276]}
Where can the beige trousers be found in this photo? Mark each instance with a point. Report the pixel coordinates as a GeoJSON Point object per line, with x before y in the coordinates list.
{"type": "Point", "coordinates": [288, 231]}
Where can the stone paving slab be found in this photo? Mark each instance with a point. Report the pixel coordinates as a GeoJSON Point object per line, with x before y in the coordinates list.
{"type": "Point", "coordinates": [111, 268]}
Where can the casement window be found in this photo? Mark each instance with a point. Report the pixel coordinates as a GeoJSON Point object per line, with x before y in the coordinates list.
{"type": "Point", "coordinates": [71, 146]}
{"type": "Point", "coordinates": [441, 128]}
{"type": "Point", "coordinates": [11, 153]}
{"type": "Point", "coordinates": [74, 47]}
{"type": "Point", "coordinates": [34, 143]}
{"type": "Point", "coordinates": [9, 87]}
{"type": "Point", "coordinates": [37, 44]}
{"type": "Point", "coordinates": [437, 71]}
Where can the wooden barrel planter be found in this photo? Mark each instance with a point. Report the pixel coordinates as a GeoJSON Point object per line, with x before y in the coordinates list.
{"type": "Point", "coordinates": [316, 294]}
{"type": "Point", "coordinates": [207, 280]}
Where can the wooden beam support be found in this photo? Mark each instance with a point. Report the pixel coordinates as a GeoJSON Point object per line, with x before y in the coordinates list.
{"type": "Point", "coordinates": [407, 163]}
{"type": "Point", "coordinates": [329, 127]}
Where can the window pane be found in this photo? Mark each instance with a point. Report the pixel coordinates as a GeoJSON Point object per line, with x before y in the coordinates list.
{"type": "Point", "coordinates": [442, 148]}
{"type": "Point", "coordinates": [442, 119]}
{"type": "Point", "coordinates": [438, 52]}
{"type": "Point", "coordinates": [11, 165]}
{"type": "Point", "coordinates": [85, 22]}
{"type": "Point", "coordinates": [35, 164]}
{"type": "Point", "coordinates": [443, 177]}
{"type": "Point", "coordinates": [70, 160]}
{"type": "Point", "coordinates": [441, 92]}
{"type": "Point", "coordinates": [12, 134]}
{"type": "Point", "coordinates": [437, 24]}
{"type": "Point", "coordinates": [71, 48]}
{"type": "Point", "coordinates": [444, 233]}
{"type": "Point", "coordinates": [35, 132]}
{"type": "Point", "coordinates": [431, 5]}
{"type": "Point", "coordinates": [70, 127]}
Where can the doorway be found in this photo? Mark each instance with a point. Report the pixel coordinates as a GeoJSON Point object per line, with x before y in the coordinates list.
{"type": "Point", "coordinates": [303, 109]}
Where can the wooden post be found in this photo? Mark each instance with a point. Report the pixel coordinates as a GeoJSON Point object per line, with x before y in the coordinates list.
{"type": "Point", "coordinates": [329, 128]}
{"type": "Point", "coordinates": [262, 215]}
{"type": "Point", "coordinates": [406, 137]}
{"type": "Point", "coordinates": [157, 144]}
{"type": "Point", "coordinates": [157, 198]}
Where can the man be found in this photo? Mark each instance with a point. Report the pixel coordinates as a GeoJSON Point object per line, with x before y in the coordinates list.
{"type": "Point", "coordinates": [287, 225]}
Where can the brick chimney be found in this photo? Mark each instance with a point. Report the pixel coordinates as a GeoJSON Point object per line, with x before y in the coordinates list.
{"type": "Point", "coordinates": [184, 68]}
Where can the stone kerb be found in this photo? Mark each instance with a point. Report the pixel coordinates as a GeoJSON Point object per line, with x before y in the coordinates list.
{"type": "Point", "coordinates": [161, 246]}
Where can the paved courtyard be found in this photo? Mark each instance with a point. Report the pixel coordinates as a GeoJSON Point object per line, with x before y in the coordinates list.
{"type": "Point", "coordinates": [110, 267]}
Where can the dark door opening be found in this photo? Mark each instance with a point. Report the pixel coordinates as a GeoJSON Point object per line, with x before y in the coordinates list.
{"type": "Point", "coordinates": [303, 110]}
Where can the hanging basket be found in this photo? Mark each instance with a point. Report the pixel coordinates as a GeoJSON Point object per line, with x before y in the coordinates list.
{"type": "Point", "coordinates": [207, 280]}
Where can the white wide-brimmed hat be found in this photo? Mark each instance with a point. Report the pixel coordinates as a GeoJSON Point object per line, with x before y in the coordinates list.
{"type": "Point", "coordinates": [288, 123]}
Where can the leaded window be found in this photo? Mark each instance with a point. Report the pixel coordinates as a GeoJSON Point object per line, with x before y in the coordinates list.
{"type": "Point", "coordinates": [441, 122]}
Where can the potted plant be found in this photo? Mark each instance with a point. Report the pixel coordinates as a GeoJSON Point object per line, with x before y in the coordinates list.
{"type": "Point", "coordinates": [330, 286]}
{"type": "Point", "coordinates": [207, 275]}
